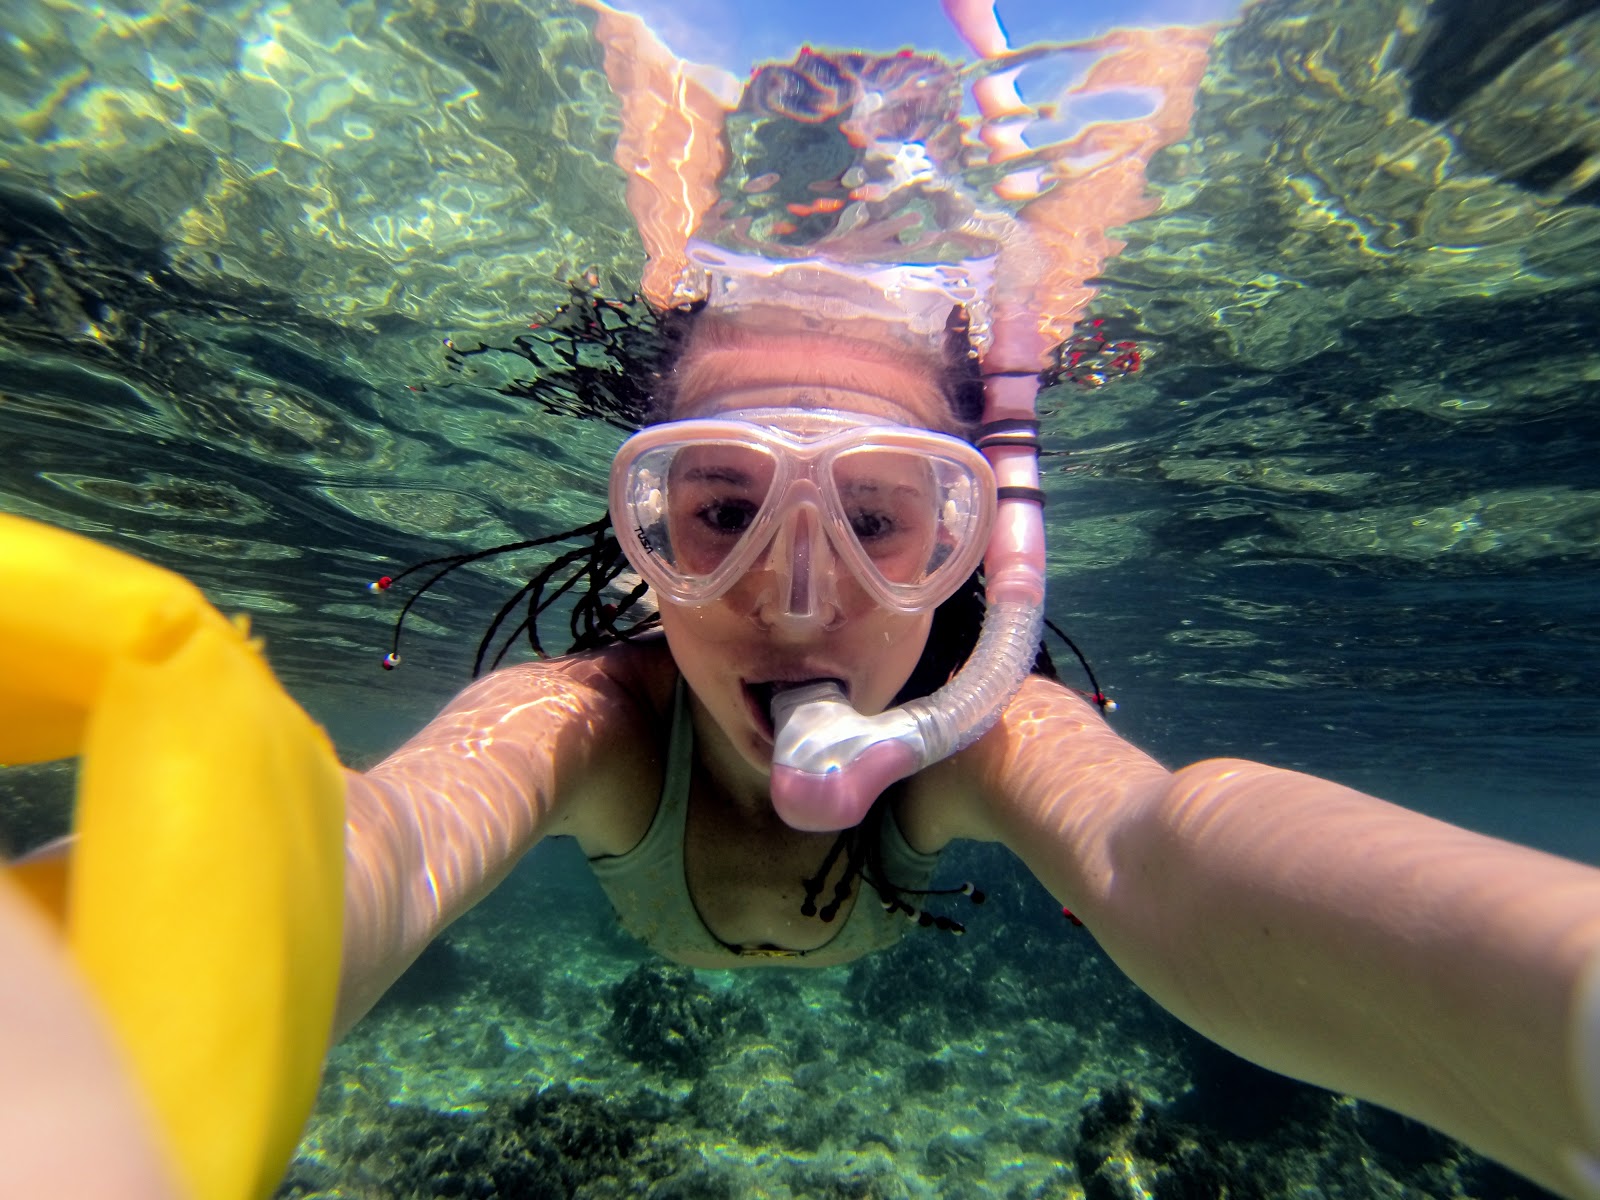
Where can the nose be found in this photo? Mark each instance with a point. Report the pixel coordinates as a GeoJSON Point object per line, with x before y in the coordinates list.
{"type": "Point", "coordinates": [799, 592]}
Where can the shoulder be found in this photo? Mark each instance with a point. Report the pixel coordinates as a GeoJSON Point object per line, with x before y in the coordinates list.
{"type": "Point", "coordinates": [609, 804]}
{"type": "Point", "coordinates": [588, 729]}
{"type": "Point", "coordinates": [1049, 748]}
{"type": "Point", "coordinates": [615, 685]}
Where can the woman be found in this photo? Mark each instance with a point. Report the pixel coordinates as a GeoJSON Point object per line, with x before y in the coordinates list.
{"type": "Point", "coordinates": [1312, 929]}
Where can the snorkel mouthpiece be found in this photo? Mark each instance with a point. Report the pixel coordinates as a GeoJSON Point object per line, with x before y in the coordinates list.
{"type": "Point", "coordinates": [830, 763]}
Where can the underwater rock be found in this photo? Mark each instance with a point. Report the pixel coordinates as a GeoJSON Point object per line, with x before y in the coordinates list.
{"type": "Point", "coordinates": [809, 1046]}
{"type": "Point", "coordinates": [519, 985]}
{"type": "Point", "coordinates": [859, 1183]}
{"type": "Point", "coordinates": [696, 1183]}
{"type": "Point", "coordinates": [929, 1076]}
{"type": "Point", "coordinates": [1431, 1163]}
{"type": "Point", "coordinates": [1403, 1146]}
{"type": "Point", "coordinates": [1127, 1151]}
{"type": "Point", "coordinates": [1245, 1134]}
{"type": "Point", "coordinates": [762, 1095]}
{"type": "Point", "coordinates": [491, 1049]}
{"type": "Point", "coordinates": [306, 1178]}
{"type": "Point", "coordinates": [667, 1019]}
{"type": "Point", "coordinates": [765, 1113]}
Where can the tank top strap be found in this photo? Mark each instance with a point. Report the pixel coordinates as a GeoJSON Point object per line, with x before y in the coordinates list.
{"type": "Point", "coordinates": [662, 843]}
{"type": "Point", "coordinates": [680, 756]}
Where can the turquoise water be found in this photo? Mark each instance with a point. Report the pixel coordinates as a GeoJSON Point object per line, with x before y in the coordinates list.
{"type": "Point", "coordinates": [1345, 519]}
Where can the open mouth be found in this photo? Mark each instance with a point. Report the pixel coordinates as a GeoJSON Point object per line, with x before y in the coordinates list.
{"type": "Point", "coordinates": [759, 696]}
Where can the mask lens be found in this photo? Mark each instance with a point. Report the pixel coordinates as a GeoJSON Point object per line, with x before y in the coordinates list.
{"type": "Point", "coordinates": [694, 502]}
{"type": "Point", "coordinates": [910, 513]}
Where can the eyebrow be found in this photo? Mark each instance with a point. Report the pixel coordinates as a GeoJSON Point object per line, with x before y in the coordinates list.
{"type": "Point", "coordinates": [853, 486]}
{"type": "Point", "coordinates": [717, 474]}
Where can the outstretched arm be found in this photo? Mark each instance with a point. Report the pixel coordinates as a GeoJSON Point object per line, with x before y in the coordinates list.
{"type": "Point", "coordinates": [433, 828]}
{"type": "Point", "coordinates": [1318, 931]}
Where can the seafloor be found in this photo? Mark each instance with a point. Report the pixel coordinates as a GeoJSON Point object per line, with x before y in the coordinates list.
{"type": "Point", "coordinates": [536, 1051]}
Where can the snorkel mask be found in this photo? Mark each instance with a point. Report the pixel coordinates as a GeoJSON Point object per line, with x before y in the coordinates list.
{"type": "Point", "coordinates": [817, 495]}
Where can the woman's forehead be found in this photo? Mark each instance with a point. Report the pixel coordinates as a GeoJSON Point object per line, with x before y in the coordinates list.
{"type": "Point", "coordinates": [802, 370]}
{"type": "Point", "coordinates": [795, 398]}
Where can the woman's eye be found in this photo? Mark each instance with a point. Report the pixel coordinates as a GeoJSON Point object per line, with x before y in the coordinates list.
{"type": "Point", "coordinates": [727, 516]}
{"type": "Point", "coordinates": [869, 526]}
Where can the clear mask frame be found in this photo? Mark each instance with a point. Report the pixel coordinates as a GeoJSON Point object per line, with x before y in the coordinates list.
{"type": "Point", "coordinates": [698, 504]}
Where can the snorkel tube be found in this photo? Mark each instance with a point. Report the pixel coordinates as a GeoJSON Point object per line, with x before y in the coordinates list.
{"type": "Point", "coordinates": [829, 762]}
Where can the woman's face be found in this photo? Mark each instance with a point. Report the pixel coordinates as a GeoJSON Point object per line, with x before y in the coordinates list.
{"type": "Point", "coordinates": [733, 650]}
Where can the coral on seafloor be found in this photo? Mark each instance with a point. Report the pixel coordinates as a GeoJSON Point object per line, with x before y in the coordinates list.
{"type": "Point", "coordinates": [663, 1017]}
{"type": "Point", "coordinates": [1016, 1063]}
{"type": "Point", "coordinates": [1242, 1133]}
{"type": "Point", "coordinates": [556, 1142]}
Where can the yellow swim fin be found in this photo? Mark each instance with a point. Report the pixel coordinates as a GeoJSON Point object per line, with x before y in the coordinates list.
{"type": "Point", "coordinates": [205, 896]}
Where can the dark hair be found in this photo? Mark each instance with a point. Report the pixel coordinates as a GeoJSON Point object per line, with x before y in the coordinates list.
{"type": "Point", "coordinates": [613, 360]}
{"type": "Point", "coordinates": [595, 358]}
